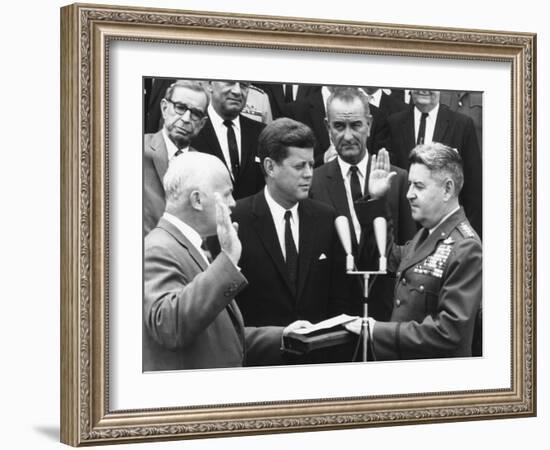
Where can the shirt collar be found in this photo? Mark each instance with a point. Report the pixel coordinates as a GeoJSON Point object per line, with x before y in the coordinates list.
{"type": "Point", "coordinates": [375, 98]}
{"type": "Point", "coordinates": [190, 233]}
{"type": "Point", "coordinates": [171, 148]}
{"type": "Point", "coordinates": [361, 165]}
{"type": "Point", "coordinates": [217, 120]}
{"type": "Point", "coordinates": [277, 211]}
{"type": "Point", "coordinates": [444, 219]}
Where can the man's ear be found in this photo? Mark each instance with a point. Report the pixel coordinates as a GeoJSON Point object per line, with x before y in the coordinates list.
{"type": "Point", "coordinates": [195, 200]}
{"type": "Point", "coordinates": [163, 107]}
{"type": "Point", "coordinates": [269, 165]}
{"type": "Point", "coordinates": [449, 188]}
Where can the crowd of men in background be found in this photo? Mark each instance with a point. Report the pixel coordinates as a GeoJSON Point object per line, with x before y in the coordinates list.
{"type": "Point", "coordinates": [282, 161]}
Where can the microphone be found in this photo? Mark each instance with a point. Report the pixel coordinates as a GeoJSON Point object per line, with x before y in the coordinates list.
{"type": "Point", "coordinates": [342, 228]}
{"type": "Point", "coordinates": [379, 225]}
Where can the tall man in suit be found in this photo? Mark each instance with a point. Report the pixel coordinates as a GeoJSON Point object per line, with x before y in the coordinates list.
{"type": "Point", "coordinates": [290, 249]}
{"type": "Point", "coordinates": [183, 110]}
{"type": "Point", "coordinates": [429, 121]}
{"type": "Point", "coordinates": [345, 180]}
{"type": "Point", "coordinates": [231, 136]}
{"type": "Point", "coordinates": [437, 297]}
{"type": "Point", "coordinates": [190, 320]}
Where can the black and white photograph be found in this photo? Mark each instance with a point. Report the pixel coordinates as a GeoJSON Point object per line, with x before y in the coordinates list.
{"type": "Point", "coordinates": [291, 224]}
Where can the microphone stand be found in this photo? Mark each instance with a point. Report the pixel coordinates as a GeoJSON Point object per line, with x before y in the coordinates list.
{"type": "Point", "coordinates": [365, 331]}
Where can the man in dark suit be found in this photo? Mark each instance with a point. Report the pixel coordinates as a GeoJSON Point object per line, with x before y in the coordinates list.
{"type": "Point", "coordinates": [345, 180]}
{"type": "Point", "coordinates": [429, 121]}
{"type": "Point", "coordinates": [437, 300]}
{"type": "Point", "coordinates": [184, 114]}
{"type": "Point", "coordinates": [232, 137]}
{"type": "Point", "coordinates": [382, 105]}
{"type": "Point", "coordinates": [290, 248]}
{"type": "Point", "coordinates": [190, 320]}
{"type": "Point", "coordinates": [304, 103]}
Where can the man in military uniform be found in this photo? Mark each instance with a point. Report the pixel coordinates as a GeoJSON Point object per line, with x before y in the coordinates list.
{"type": "Point", "coordinates": [438, 273]}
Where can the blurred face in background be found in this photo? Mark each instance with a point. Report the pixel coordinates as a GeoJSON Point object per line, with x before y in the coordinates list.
{"type": "Point", "coordinates": [228, 97]}
{"type": "Point", "coordinates": [425, 101]}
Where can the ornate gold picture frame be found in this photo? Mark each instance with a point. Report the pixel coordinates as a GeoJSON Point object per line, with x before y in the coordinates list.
{"type": "Point", "coordinates": [87, 413]}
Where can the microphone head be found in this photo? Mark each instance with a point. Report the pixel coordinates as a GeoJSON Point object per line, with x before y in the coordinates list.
{"type": "Point", "coordinates": [380, 232]}
{"type": "Point", "coordinates": [342, 228]}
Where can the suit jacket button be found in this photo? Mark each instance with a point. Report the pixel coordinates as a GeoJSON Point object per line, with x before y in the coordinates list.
{"type": "Point", "coordinates": [422, 288]}
{"type": "Point", "coordinates": [404, 281]}
{"type": "Point", "coordinates": [397, 303]}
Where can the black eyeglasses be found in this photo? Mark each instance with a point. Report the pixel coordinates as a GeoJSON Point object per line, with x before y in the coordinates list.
{"type": "Point", "coordinates": [181, 108]}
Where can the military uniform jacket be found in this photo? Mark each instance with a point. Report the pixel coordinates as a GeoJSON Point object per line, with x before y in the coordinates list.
{"type": "Point", "coordinates": [437, 294]}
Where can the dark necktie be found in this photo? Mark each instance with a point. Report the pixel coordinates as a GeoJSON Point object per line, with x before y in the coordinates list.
{"type": "Point", "coordinates": [424, 233]}
{"type": "Point", "coordinates": [422, 129]}
{"type": "Point", "coordinates": [291, 253]}
{"type": "Point", "coordinates": [233, 148]}
{"type": "Point", "coordinates": [354, 183]}
{"type": "Point", "coordinates": [289, 97]}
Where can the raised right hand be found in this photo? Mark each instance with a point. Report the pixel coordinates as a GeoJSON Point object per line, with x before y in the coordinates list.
{"type": "Point", "coordinates": [380, 176]}
{"type": "Point", "coordinates": [227, 231]}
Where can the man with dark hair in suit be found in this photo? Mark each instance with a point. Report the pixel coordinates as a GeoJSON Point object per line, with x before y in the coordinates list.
{"type": "Point", "coordinates": [190, 320]}
{"type": "Point", "coordinates": [183, 110]}
{"type": "Point", "coordinates": [232, 137]}
{"type": "Point", "coordinates": [345, 180]}
{"type": "Point", "coordinates": [290, 249]}
{"type": "Point", "coordinates": [429, 121]}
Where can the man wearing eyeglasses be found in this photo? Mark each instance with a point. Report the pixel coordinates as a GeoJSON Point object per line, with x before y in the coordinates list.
{"type": "Point", "coordinates": [184, 114]}
{"type": "Point", "coordinates": [232, 137]}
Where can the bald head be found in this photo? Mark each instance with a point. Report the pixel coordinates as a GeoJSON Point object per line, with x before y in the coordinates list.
{"type": "Point", "coordinates": [190, 183]}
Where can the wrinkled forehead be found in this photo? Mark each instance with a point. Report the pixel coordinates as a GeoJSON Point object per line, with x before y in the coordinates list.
{"type": "Point", "coordinates": [419, 173]}
{"type": "Point", "coordinates": [346, 110]}
{"type": "Point", "coordinates": [189, 96]}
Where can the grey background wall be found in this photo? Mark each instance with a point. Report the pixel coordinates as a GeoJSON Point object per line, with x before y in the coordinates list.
{"type": "Point", "coordinates": [29, 229]}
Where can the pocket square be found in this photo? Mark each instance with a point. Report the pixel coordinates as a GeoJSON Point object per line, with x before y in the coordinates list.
{"type": "Point", "coordinates": [323, 256]}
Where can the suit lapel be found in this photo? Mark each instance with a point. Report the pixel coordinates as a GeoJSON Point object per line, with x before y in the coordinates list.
{"type": "Point", "coordinates": [307, 241]}
{"type": "Point", "coordinates": [279, 97]}
{"type": "Point", "coordinates": [441, 124]}
{"type": "Point", "coordinates": [408, 135]}
{"type": "Point", "coordinates": [265, 228]}
{"type": "Point", "coordinates": [182, 240]}
{"type": "Point", "coordinates": [212, 139]}
{"type": "Point", "coordinates": [160, 155]}
{"type": "Point", "coordinates": [337, 193]}
{"type": "Point", "coordinates": [246, 146]}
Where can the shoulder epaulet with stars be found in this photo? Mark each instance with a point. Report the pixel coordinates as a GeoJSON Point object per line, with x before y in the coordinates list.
{"type": "Point", "coordinates": [466, 230]}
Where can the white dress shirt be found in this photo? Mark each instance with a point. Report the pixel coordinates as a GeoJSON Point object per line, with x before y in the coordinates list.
{"type": "Point", "coordinates": [171, 148]}
{"type": "Point", "coordinates": [346, 174]}
{"type": "Point", "coordinates": [221, 134]}
{"type": "Point", "coordinates": [278, 215]}
{"type": "Point", "coordinates": [374, 99]}
{"type": "Point", "coordinates": [430, 124]}
{"type": "Point", "coordinates": [189, 232]}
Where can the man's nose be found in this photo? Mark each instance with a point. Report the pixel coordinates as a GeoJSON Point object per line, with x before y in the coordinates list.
{"type": "Point", "coordinates": [186, 116]}
{"type": "Point", "coordinates": [348, 135]}
{"type": "Point", "coordinates": [410, 193]}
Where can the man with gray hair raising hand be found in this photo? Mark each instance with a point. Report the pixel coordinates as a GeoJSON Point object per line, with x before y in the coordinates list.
{"type": "Point", "coordinates": [190, 320]}
{"type": "Point", "coordinates": [437, 297]}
